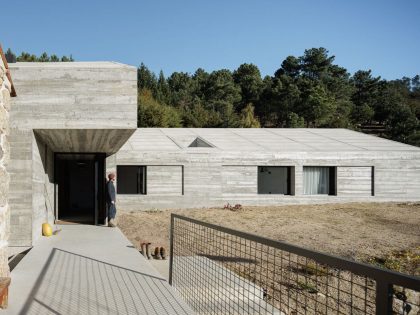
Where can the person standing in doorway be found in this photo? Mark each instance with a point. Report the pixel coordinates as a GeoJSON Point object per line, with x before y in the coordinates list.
{"type": "Point", "coordinates": [110, 200]}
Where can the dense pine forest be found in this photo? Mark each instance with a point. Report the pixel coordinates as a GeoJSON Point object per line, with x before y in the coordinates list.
{"type": "Point", "coordinates": [306, 91]}
{"type": "Point", "coordinates": [27, 57]}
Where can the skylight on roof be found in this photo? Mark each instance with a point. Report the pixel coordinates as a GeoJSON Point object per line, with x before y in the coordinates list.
{"type": "Point", "coordinates": [200, 143]}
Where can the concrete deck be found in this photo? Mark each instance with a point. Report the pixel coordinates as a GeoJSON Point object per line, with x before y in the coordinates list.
{"type": "Point", "coordinates": [89, 270]}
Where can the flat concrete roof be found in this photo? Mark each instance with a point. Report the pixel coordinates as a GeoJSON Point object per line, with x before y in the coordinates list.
{"type": "Point", "coordinates": [72, 64]}
{"type": "Point", "coordinates": [260, 140]}
{"type": "Point", "coordinates": [87, 269]}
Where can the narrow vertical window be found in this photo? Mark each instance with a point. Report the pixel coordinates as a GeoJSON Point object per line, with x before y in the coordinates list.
{"type": "Point", "coordinates": [373, 181]}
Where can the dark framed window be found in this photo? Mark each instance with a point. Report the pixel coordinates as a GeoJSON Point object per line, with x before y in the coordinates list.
{"type": "Point", "coordinates": [131, 180]}
{"type": "Point", "coordinates": [319, 180]}
{"type": "Point", "coordinates": [275, 180]}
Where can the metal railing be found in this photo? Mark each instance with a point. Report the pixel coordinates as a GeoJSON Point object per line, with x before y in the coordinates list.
{"type": "Point", "coordinates": [218, 270]}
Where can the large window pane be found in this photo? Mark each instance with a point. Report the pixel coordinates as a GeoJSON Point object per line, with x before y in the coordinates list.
{"type": "Point", "coordinates": [131, 179]}
{"type": "Point", "coordinates": [316, 180]}
{"type": "Point", "coordinates": [274, 180]}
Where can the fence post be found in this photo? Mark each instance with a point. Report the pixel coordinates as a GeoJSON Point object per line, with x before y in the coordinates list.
{"type": "Point", "coordinates": [383, 298]}
{"type": "Point", "coordinates": [171, 248]}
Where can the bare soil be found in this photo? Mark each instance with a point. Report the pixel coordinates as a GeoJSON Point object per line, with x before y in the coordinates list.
{"type": "Point", "coordinates": [386, 234]}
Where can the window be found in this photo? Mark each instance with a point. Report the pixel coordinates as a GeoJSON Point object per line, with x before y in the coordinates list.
{"type": "Point", "coordinates": [372, 174]}
{"type": "Point", "coordinates": [131, 180]}
{"type": "Point", "coordinates": [319, 180]}
{"type": "Point", "coordinates": [275, 180]}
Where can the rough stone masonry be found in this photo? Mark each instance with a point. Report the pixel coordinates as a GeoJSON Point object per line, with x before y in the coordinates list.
{"type": "Point", "coordinates": [5, 91]}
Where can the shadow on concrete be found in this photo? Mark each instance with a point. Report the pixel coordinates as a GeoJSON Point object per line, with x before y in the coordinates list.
{"type": "Point", "coordinates": [70, 283]}
{"type": "Point", "coordinates": [15, 259]}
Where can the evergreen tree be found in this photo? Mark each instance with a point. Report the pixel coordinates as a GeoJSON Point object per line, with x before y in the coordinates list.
{"type": "Point", "coordinates": [44, 57]}
{"type": "Point", "coordinates": [10, 56]}
{"type": "Point", "coordinates": [153, 114]}
{"type": "Point", "coordinates": [364, 98]}
{"type": "Point", "coordinates": [162, 89]}
{"type": "Point", "coordinates": [247, 118]}
{"type": "Point", "coordinates": [248, 78]}
{"type": "Point", "coordinates": [306, 91]}
{"type": "Point", "coordinates": [146, 79]}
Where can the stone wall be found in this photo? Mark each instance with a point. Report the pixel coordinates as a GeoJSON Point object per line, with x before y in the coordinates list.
{"type": "Point", "coordinates": [5, 90]}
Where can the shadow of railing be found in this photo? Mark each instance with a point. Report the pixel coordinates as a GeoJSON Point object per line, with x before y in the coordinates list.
{"type": "Point", "coordinates": [70, 283]}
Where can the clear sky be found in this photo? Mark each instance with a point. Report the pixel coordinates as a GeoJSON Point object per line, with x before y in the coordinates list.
{"type": "Point", "coordinates": [182, 35]}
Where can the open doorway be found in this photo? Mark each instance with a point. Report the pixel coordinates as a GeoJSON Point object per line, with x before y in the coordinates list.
{"type": "Point", "coordinates": [79, 179]}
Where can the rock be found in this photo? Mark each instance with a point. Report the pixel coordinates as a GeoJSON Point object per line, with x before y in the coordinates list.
{"type": "Point", "coordinates": [5, 150]}
{"type": "Point", "coordinates": [5, 94]}
{"type": "Point", "coordinates": [7, 84]}
{"type": "Point", "coordinates": [4, 120]}
{"type": "Point", "coordinates": [4, 269]}
{"type": "Point", "coordinates": [321, 295]}
{"type": "Point", "coordinates": [4, 186]}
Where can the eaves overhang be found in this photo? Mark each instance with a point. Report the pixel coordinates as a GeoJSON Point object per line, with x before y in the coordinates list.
{"type": "Point", "coordinates": [107, 141]}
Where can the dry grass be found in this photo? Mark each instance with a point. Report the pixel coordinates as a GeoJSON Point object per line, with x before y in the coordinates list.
{"type": "Point", "coordinates": [387, 234]}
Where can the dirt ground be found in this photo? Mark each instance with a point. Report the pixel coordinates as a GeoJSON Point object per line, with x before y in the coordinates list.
{"type": "Point", "coordinates": [386, 234]}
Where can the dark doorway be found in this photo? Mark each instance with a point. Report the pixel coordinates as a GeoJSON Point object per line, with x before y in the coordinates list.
{"type": "Point", "coordinates": [80, 191]}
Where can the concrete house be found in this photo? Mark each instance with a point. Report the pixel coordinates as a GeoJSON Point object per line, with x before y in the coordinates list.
{"type": "Point", "coordinates": [71, 123]}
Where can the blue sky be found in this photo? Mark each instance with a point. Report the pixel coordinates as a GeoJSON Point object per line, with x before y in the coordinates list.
{"type": "Point", "coordinates": [180, 35]}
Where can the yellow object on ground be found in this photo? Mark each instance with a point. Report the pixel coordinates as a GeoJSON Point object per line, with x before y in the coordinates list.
{"type": "Point", "coordinates": [46, 229]}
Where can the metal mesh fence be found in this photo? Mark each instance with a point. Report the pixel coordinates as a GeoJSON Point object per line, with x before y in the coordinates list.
{"type": "Point", "coordinates": [222, 271]}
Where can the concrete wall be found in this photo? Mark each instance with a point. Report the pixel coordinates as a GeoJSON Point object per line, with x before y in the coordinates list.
{"type": "Point", "coordinates": [354, 181]}
{"type": "Point", "coordinates": [239, 179]}
{"type": "Point", "coordinates": [42, 186]}
{"type": "Point", "coordinates": [165, 180]}
{"type": "Point", "coordinates": [21, 187]}
{"type": "Point", "coordinates": [214, 179]}
{"type": "Point", "coordinates": [76, 95]}
{"type": "Point", "coordinates": [202, 180]}
{"type": "Point", "coordinates": [70, 107]}
{"type": "Point", "coordinates": [5, 89]}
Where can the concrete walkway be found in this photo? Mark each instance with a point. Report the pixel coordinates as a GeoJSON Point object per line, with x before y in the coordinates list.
{"type": "Point", "coordinates": [89, 270]}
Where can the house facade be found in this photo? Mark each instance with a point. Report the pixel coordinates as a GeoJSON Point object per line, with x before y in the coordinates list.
{"type": "Point", "coordinates": [72, 123]}
{"type": "Point", "coordinates": [65, 121]}
{"type": "Point", "coordinates": [183, 168]}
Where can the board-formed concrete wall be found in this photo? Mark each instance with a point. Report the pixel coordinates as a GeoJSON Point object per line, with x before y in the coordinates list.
{"type": "Point", "coordinates": [67, 107]}
{"type": "Point", "coordinates": [21, 187]}
{"type": "Point", "coordinates": [239, 178]}
{"type": "Point", "coordinates": [202, 180]}
{"type": "Point", "coordinates": [5, 89]}
{"type": "Point", "coordinates": [214, 177]}
{"type": "Point", "coordinates": [164, 180]}
{"type": "Point", "coordinates": [355, 181]}
{"type": "Point", "coordinates": [76, 95]}
{"type": "Point", "coordinates": [42, 186]}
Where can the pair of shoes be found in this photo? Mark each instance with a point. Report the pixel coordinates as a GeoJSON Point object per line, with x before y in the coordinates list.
{"type": "Point", "coordinates": [111, 223]}
{"type": "Point", "coordinates": [160, 253]}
